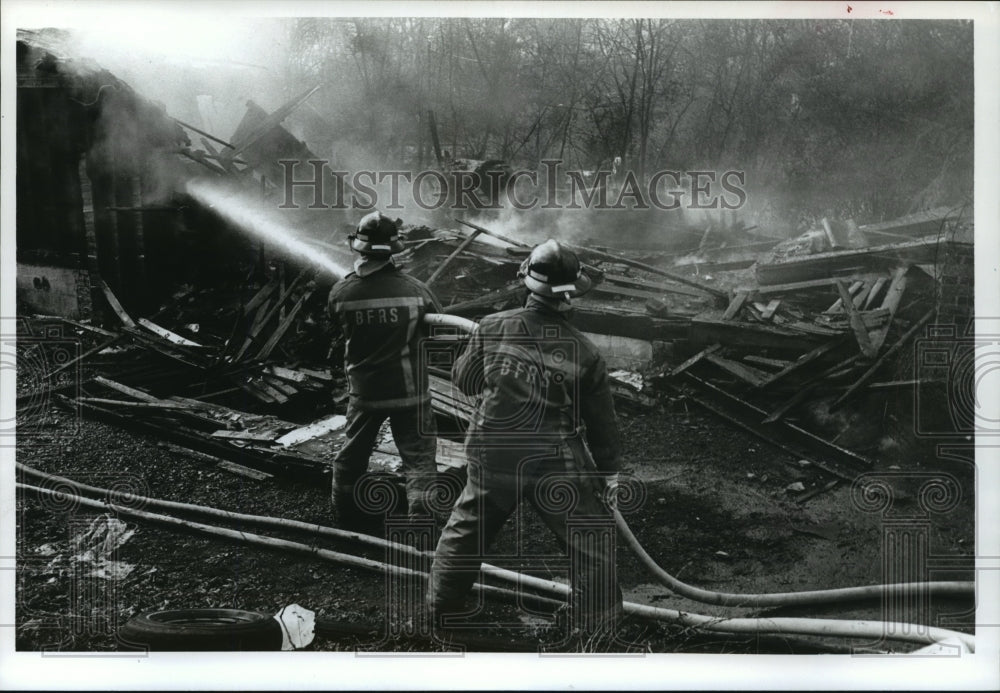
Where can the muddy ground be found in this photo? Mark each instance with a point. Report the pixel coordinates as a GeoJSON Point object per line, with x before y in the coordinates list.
{"type": "Point", "coordinates": [716, 514]}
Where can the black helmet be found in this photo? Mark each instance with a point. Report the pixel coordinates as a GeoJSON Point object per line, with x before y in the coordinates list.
{"type": "Point", "coordinates": [553, 270]}
{"type": "Point", "coordinates": [377, 234]}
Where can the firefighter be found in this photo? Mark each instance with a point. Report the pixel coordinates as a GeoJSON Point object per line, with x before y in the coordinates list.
{"type": "Point", "coordinates": [379, 310]}
{"type": "Point", "coordinates": [545, 424]}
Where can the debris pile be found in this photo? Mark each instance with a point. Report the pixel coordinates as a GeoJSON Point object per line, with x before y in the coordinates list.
{"type": "Point", "coordinates": [776, 336]}
{"type": "Point", "coordinates": [773, 348]}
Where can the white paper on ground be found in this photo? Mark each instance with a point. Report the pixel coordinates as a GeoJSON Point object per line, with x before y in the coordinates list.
{"type": "Point", "coordinates": [298, 626]}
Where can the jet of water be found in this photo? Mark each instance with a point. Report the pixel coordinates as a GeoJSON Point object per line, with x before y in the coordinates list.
{"type": "Point", "coordinates": [243, 212]}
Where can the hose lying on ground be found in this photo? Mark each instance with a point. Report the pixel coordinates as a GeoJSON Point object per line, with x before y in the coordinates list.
{"type": "Point", "coordinates": [553, 590]}
{"type": "Point", "coordinates": [812, 597]}
{"type": "Point", "coordinates": [337, 557]}
{"type": "Point", "coordinates": [829, 596]}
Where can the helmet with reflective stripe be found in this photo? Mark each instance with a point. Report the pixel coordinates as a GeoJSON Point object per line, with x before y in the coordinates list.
{"type": "Point", "coordinates": [554, 270]}
{"type": "Point", "coordinates": [377, 234]}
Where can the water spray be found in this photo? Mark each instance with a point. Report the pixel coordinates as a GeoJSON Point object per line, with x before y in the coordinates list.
{"type": "Point", "coordinates": [244, 213]}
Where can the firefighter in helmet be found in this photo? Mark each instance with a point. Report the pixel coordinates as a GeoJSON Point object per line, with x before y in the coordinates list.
{"type": "Point", "coordinates": [380, 310]}
{"type": "Point", "coordinates": [545, 420]}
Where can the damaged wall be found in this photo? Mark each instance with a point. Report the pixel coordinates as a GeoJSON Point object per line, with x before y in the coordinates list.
{"type": "Point", "coordinates": [97, 172]}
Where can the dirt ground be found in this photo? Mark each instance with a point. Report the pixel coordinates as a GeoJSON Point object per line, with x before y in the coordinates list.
{"type": "Point", "coordinates": [716, 514]}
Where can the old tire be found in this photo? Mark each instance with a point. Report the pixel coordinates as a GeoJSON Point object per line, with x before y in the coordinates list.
{"type": "Point", "coordinates": [201, 630]}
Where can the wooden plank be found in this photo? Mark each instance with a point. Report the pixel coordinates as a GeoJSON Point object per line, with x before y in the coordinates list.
{"type": "Point", "coordinates": [891, 303]}
{"type": "Point", "coordinates": [838, 305]}
{"type": "Point", "coordinates": [278, 384]}
{"type": "Point", "coordinates": [313, 373]}
{"type": "Point", "coordinates": [735, 304]}
{"type": "Point", "coordinates": [745, 373]}
{"type": "Point", "coordinates": [487, 301]}
{"type": "Point", "coordinates": [768, 311]}
{"type": "Point", "coordinates": [171, 351]}
{"type": "Point", "coordinates": [287, 374]}
{"type": "Point", "coordinates": [860, 296]}
{"type": "Point", "coordinates": [614, 290]}
{"type": "Point", "coordinates": [272, 342]}
{"type": "Point", "coordinates": [133, 405]}
{"type": "Point", "coordinates": [706, 329]}
{"type": "Point", "coordinates": [807, 388]}
{"type": "Point", "coordinates": [83, 326]}
{"type": "Point", "coordinates": [871, 318]}
{"type": "Point", "coordinates": [481, 229]}
{"type": "Point", "coordinates": [447, 408]}
{"type": "Point", "coordinates": [853, 260]}
{"type": "Point", "coordinates": [274, 461]}
{"type": "Point", "coordinates": [635, 325]}
{"type": "Point", "coordinates": [126, 390]}
{"type": "Point", "coordinates": [765, 361]}
{"type": "Point", "coordinates": [171, 337]}
{"type": "Point", "coordinates": [224, 160]}
{"type": "Point", "coordinates": [828, 232]}
{"type": "Point", "coordinates": [272, 392]}
{"type": "Point", "coordinates": [800, 395]}
{"type": "Point", "coordinates": [650, 285]}
{"type": "Point", "coordinates": [792, 287]}
{"type": "Point", "coordinates": [857, 323]}
{"type": "Point", "coordinates": [184, 410]}
{"type": "Point", "coordinates": [257, 324]}
{"type": "Point", "coordinates": [241, 470]}
{"type": "Point", "coordinates": [812, 328]}
{"type": "Point", "coordinates": [803, 360]}
{"type": "Point", "coordinates": [867, 375]}
{"type": "Point", "coordinates": [115, 305]}
{"type": "Point", "coordinates": [270, 313]}
{"type": "Point", "coordinates": [445, 390]}
{"type": "Point", "coordinates": [313, 430]}
{"type": "Point", "coordinates": [450, 455]}
{"type": "Point", "coordinates": [913, 225]}
{"type": "Point", "coordinates": [874, 293]}
{"type": "Point", "coordinates": [255, 390]}
{"type": "Point", "coordinates": [748, 416]}
{"type": "Point", "coordinates": [244, 435]}
{"type": "Point", "coordinates": [718, 293]}
{"type": "Point", "coordinates": [85, 355]}
{"type": "Point", "coordinates": [262, 295]}
{"type": "Point", "coordinates": [201, 132]}
{"type": "Point", "coordinates": [204, 406]}
{"type": "Point", "coordinates": [694, 359]}
{"type": "Point", "coordinates": [271, 120]}
{"type": "Point", "coordinates": [892, 384]}
{"type": "Point", "coordinates": [455, 253]}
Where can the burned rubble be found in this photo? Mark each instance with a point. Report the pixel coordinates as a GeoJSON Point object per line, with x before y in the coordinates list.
{"type": "Point", "coordinates": [197, 322]}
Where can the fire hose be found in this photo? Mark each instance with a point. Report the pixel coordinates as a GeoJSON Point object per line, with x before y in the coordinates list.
{"type": "Point", "coordinates": [550, 593]}
{"type": "Point", "coordinates": [811, 597]}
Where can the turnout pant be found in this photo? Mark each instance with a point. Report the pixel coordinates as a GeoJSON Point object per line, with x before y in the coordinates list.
{"type": "Point", "coordinates": [413, 430]}
{"type": "Point", "coordinates": [550, 479]}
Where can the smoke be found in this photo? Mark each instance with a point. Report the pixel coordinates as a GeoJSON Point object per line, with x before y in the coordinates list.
{"type": "Point", "coordinates": [174, 58]}
{"type": "Point", "coordinates": [619, 228]}
{"type": "Point", "coordinates": [204, 73]}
